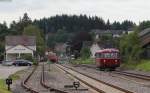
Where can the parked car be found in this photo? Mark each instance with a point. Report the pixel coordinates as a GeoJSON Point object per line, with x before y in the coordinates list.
{"type": "Point", "coordinates": [22, 63]}
{"type": "Point", "coordinates": [7, 63]}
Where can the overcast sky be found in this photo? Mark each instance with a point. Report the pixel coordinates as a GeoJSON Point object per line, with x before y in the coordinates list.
{"type": "Point", "coordinates": [119, 10]}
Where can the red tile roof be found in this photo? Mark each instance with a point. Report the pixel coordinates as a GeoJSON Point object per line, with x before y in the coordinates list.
{"type": "Point", "coordinates": [20, 40]}
{"type": "Point", "coordinates": [145, 37]}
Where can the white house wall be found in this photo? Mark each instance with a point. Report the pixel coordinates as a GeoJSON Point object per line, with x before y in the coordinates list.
{"type": "Point", "coordinates": [7, 47]}
{"type": "Point", "coordinates": [31, 47]}
{"type": "Point", "coordinates": [93, 49]}
{"type": "Point", "coordinates": [19, 49]}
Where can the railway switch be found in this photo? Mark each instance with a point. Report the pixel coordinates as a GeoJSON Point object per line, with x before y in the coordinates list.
{"type": "Point", "coordinates": [75, 85]}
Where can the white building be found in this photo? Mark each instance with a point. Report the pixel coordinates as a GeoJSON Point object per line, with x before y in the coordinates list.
{"type": "Point", "coordinates": [17, 45]}
{"type": "Point", "coordinates": [93, 49]}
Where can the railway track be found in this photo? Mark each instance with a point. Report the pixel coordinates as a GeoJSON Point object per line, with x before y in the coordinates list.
{"type": "Point", "coordinates": [133, 75]}
{"type": "Point", "coordinates": [139, 76]}
{"type": "Point", "coordinates": [24, 82]}
{"type": "Point", "coordinates": [41, 82]}
{"type": "Point", "coordinates": [98, 85]}
{"type": "Point", "coordinates": [46, 86]}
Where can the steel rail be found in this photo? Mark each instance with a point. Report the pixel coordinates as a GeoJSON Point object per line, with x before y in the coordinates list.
{"type": "Point", "coordinates": [42, 81]}
{"type": "Point", "coordinates": [24, 82]}
{"type": "Point", "coordinates": [129, 74]}
{"type": "Point", "coordinates": [139, 76]}
{"type": "Point", "coordinates": [101, 91]}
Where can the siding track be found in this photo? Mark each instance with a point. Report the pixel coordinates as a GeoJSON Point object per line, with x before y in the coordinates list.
{"type": "Point", "coordinates": [35, 82]}
{"type": "Point", "coordinates": [98, 85]}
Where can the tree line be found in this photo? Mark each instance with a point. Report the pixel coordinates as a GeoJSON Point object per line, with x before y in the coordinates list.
{"type": "Point", "coordinates": [67, 23]}
{"type": "Point", "coordinates": [74, 23]}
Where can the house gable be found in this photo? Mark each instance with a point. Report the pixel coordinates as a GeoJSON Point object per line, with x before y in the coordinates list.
{"type": "Point", "coordinates": [19, 49]}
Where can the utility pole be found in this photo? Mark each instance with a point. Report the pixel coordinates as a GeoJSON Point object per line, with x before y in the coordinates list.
{"type": "Point", "coordinates": [45, 32]}
{"type": "Point", "coordinates": [46, 36]}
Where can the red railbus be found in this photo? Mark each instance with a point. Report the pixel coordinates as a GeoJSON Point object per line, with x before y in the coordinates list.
{"type": "Point", "coordinates": [52, 57]}
{"type": "Point", "coordinates": [107, 58]}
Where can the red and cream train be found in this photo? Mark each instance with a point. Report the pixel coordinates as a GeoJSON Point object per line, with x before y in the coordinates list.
{"type": "Point", "coordinates": [107, 58]}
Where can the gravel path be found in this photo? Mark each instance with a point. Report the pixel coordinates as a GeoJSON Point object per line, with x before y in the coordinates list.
{"type": "Point", "coordinates": [5, 71]}
{"type": "Point", "coordinates": [57, 79]}
{"type": "Point", "coordinates": [107, 77]}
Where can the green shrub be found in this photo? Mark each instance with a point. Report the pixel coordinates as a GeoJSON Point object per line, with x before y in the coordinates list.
{"type": "Point", "coordinates": [35, 61]}
{"type": "Point", "coordinates": [27, 57]}
{"type": "Point", "coordinates": [30, 58]}
{"type": "Point", "coordinates": [144, 65]}
{"type": "Point", "coordinates": [85, 53]}
{"type": "Point", "coordinates": [130, 48]}
{"type": "Point", "coordinates": [83, 61]}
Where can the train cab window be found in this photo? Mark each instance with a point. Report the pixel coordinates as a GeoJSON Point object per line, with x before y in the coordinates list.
{"type": "Point", "coordinates": [98, 55]}
{"type": "Point", "coordinates": [114, 55]}
{"type": "Point", "coordinates": [110, 55]}
{"type": "Point", "coordinates": [107, 55]}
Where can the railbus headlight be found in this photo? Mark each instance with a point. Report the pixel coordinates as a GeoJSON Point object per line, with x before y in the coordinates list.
{"type": "Point", "coordinates": [104, 61]}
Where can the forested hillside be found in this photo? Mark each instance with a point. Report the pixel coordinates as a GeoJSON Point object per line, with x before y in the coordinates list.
{"type": "Point", "coordinates": [74, 23]}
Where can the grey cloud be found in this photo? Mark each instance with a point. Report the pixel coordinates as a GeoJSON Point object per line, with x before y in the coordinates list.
{"type": "Point", "coordinates": [135, 10]}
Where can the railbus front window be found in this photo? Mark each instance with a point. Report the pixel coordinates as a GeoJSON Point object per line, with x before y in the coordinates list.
{"type": "Point", "coordinates": [110, 55]}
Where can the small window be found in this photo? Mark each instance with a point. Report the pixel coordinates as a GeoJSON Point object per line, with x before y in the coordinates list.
{"type": "Point", "coordinates": [98, 55]}
{"type": "Point", "coordinates": [110, 55]}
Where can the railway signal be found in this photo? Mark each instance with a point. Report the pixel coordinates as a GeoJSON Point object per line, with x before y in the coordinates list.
{"type": "Point", "coordinates": [76, 85]}
{"type": "Point", "coordinates": [9, 82]}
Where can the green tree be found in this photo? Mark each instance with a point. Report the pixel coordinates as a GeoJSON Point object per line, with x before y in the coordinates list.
{"type": "Point", "coordinates": [61, 36]}
{"type": "Point", "coordinates": [85, 53]}
{"type": "Point", "coordinates": [127, 25]}
{"type": "Point", "coordinates": [35, 31]}
{"type": "Point", "coordinates": [2, 50]}
{"type": "Point", "coordinates": [143, 25]}
{"type": "Point", "coordinates": [130, 47]}
{"type": "Point", "coordinates": [4, 31]}
{"type": "Point", "coordinates": [18, 27]}
{"type": "Point", "coordinates": [51, 41]}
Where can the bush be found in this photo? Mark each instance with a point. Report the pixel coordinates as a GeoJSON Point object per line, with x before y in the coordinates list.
{"type": "Point", "coordinates": [35, 62]}
{"type": "Point", "coordinates": [83, 61]}
{"type": "Point", "coordinates": [85, 53]}
{"type": "Point", "coordinates": [144, 65]}
{"type": "Point", "coordinates": [129, 47]}
{"type": "Point", "coordinates": [27, 57]}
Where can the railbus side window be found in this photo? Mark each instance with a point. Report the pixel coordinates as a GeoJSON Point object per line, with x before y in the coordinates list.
{"type": "Point", "coordinates": [97, 55]}
{"type": "Point", "coordinates": [114, 55]}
